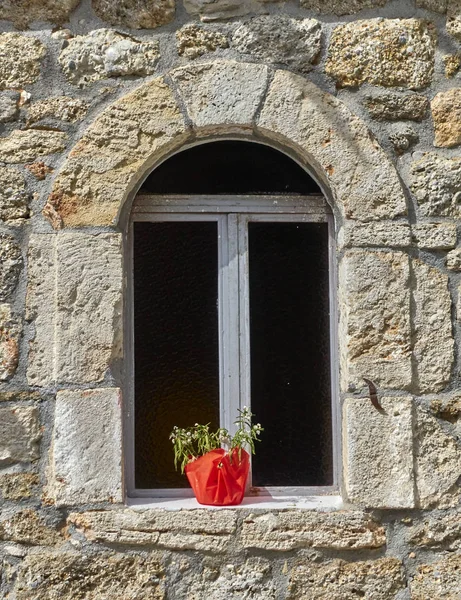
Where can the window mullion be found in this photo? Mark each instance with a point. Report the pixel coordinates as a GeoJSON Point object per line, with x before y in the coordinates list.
{"type": "Point", "coordinates": [244, 316]}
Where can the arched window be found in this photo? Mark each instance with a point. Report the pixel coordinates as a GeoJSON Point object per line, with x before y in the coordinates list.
{"type": "Point", "coordinates": [231, 252]}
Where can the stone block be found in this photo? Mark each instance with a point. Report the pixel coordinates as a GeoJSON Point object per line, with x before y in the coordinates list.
{"type": "Point", "coordinates": [10, 264]}
{"type": "Point", "coordinates": [447, 408]}
{"type": "Point", "coordinates": [452, 64]}
{"type": "Point", "coordinates": [394, 107]}
{"type": "Point", "coordinates": [20, 58]}
{"type": "Point", "coordinates": [439, 6]}
{"type": "Point", "coordinates": [25, 12]}
{"type": "Point", "coordinates": [402, 137]}
{"type": "Point", "coordinates": [453, 260]}
{"type": "Point", "coordinates": [386, 52]}
{"type": "Point", "coordinates": [433, 345]}
{"type": "Point", "coordinates": [70, 576]}
{"type": "Point", "coordinates": [439, 579]}
{"type": "Point", "coordinates": [378, 453]}
{"type": "Point", "coordinates": [222, 92]}
{"type": "Point", "coordinates": [87, 456]}
{"type": "Point", "coordinates": [454, 19]}
{"type": "Point", "coordinates": [436, 183]}
{"type": "Point", "coordinates": [193, 40]}
{"type": "Point", "coordinates": [212, 10]}
{"type": "Point", "coordinates": [392, 234]}
{"type": "Point", "coordinates": [62, 108]}
{"type": "Point", "coordinates": [10, 330]}
{"type": "Point", "coordinates": [18, 486]}
{"type": "Point", "coordinates": [437, 531]}
{"type": "Point", "coordinates": [14, 199]}
{"type": "Point", "coordinates": [446, 114]}
{"type": "Point", "coordinates": [280, 39]}
{"type": "Point", "coordinates": [27, 527]}
{"type": "Point", "coordinates": [374, 330]}
{"type": "Point", "coordinates": [135, 14]}
{"type": "Point", "coordinates": [286, 531]}
{"type": "Point", "coordinates": [25, 145]}
{"type": "Point", "coordinates": [380, 579]}
{"type": "Point", "coordinates": [9, 110]}
{"type": "Point", "coordinates": [434, 236]}
{"type": "Point", "coordinates": [19, 434]}
{"type": "Point", "coordinates": [341, 7]}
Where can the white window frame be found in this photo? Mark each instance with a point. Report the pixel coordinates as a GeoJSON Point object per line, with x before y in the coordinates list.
{"type": "Point", "coordinates": [232, 214]}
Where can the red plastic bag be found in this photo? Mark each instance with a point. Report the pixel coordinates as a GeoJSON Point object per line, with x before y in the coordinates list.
{"type": "Point", "coordinates": [219, 479]}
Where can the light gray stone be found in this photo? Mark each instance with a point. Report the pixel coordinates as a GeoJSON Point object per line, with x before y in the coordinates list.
{"type": "Point", "coordinates": [9, 106]}
{"type": "Point", "coordinates": [374, 331]}
{"type": "Point", "coordinates": [394, 107]}
{"type": "Point", "coordinates": [194, 40]}
{"type": "Point", "coordinates": [62, 108]}
{"type": "Point", "coordinates": [20, 58]}
{"type": "Point", "coordinates": [87, 455]}
{"type": "Point", "coordinates": [9, 342]}
{"type": "Point", "coordinates": [10, 265]}
{"type": "Point", "coordinates": [341, 7]}
{"type": "Point", "coordinates": [437, 531]}
{"type": "Point", "coordinates": [439, 6]}
{"type": "Point", "coordinates": [378, 453]}
{"type": "Point", "coordinates": [280, 39]}
{"type": "Point", "coordinates": [136, 14]}
{"type": "Point", "coordinates": [433, 343]}
{"type": "Point", "coordinates": [436, 183]}
{"type": "Point", "coordinates": [446, 115]}
{"type": "Point", "coordinates": [25, 12]}
{"type": "Point", "coordinates": [386, 52]}
{"type": "Point", "coordinates": [14, 199]}
{"type": "Point", "coordinates": [19, 434]}
{"type": "Point", "coordinates": [440, 579]}
{"type": "Point", "coordinates": [381, 233]}
{"type": "Point", "coordinates": [211, 10]}
{"type": "Point", "coordinates": [434, 236]}
{"type": "Point", "coordinates": [454, 260]}
{"type": "Point", "coordinates": [402, 136]}
{"type": "Point", "coordinates": [104, 53]}
{"type": "Point", "coordinates": [26, 145]}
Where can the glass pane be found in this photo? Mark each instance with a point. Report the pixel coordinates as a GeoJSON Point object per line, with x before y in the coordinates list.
{"type": "Point", "coordinates": [290, 353]}
{"type": "Point", "coordinates": [176, 341]}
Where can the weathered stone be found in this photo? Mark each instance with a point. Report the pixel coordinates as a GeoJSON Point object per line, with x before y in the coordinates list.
{"type": "Point", "coordinates": [10, 263]}
{"type": "Point", "coordinates": [436, 183]}
{"type": "Point", "coordinates": [437, 532]}
{"type": "Point", "coordinates": [62, 108]}
{"type": "Point", "coordinates": [394, 107]}
{"type": "Point", "coordinates": [341, 7]}
{"type": "Point", "coordinates": [23, 146]}
{"type": "Point", "coordinates": [19, 60]}
{"type": "Point", "coordinates": [72, 576]}
{"type": "Point", "coordinates": [434, 236]}
{"type": "Point", "coordinates": [180, 530]}
{"type": "Point", "coordinates": [387, 52]}
{"type": "Point", "coordinates": [39, 169]}
{"type": "Point", "coordinates": [74, 298]}
{"type": "Point", "coordinates": [448, 409]}
{"type": "Point", "coordinates": [454, 260]}
{"type": "Point", "coordinates": [14, 199]}
{"type": "Point", "coordinates": [104, 53]}
{"type": "Point", "coordinates": [360, 175]}
{"type": "Point", "coordinates": [437, 463]}
{"type": "Point", "coordinates": [378, 453]}
{"type": "Point", "coordinates": [87, 458]}
{"type": "Point", "coordinates": [439, 6]}
{"type": "Point", "coordinates": [375, 332]}
{"type": "Point", "coordinates": [441, 579]}
{"type": "Point", "coordinates": [285, 531]}
{"type": "Point", "coordinates": [9, 342]}
{"type": "Point", "coordinates": [454, 19]}
{"type": "Point", "coordinates": [280, 39]}
{"type": "Point", "coordinates": [452, 64]}
{"type": "Point", "coordinates": [193, 40]}
{"type": "Point", "coordinates": [380, 579]}
{"type": "Point", "coordinates": [24, 12]}
{"type": "Point", "coordinates": [221, 92]}
{"type": "Point", "coordinates": [446, 114]}
{"type": "Point", "coordinates": [19, 434]}
{"type": "Point", "coordinates": [18, 486]}
{"type": "Point", "coordinates": [211, 10]}
{"type": "Point", "coordinates": [402, 137]}
{"type": "Point", "coordinates": [105, 163]}
{"type": "Point", "coordinates": [433, 340]}
{"type": "Point", "coordinates": [381, 233]}
{"type": "Point", "coordinates": [9, 106]}
{"type": "Point", "coordinates": [27, 527]}
{"type": "Point", "coordinates": [136, 14]}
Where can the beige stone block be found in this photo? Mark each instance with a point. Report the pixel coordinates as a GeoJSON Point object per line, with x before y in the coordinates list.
{"type": "Point", "coordinates": [193, 40]}
{"type": "Point", "coordinates": [341, 7]}
{"type": "Point", "coordinates": [25, 12]}
{"type": "Point", "coordinates": [394, 107]}
{"type": "Point", "coordinates": [18, 486]}
{"type": "Point", "coordinates": [433, 344]}
{"type": "Point", "coordinates": [437, 531]}
{"type": "Point", "coordinates": [19, 434]}
{"type": "Point", "coordinates": [453, 260]}
{"type": "Point", "coordinates": [212, 10]}
{"type": "Point", "coordinates": [10, 330]}
{"type": "Point", "coordinates": [20, 60]}
{"type": "Point", "coordinates": [439, 579]}
{"type": "Point", "coordinates": [62, 108]}
{"type": "Point", "coordinates": [392, 234]}
{"type": "Point", "coordinates": [452, 64]}
{"type": "Point", "coordinates": [446, 114]}
{"type": "Point", "coordinates": [87, 455]}
{"type": "Point", "coordinates": [136, 14]}
{"type": "Point", "coordinates": [378, 453]}
{"type": "Point", "coordinates": [26, 145]}
{"type": "Point", "coordinates": [286, 531]}
{"type": "Point", "coordinates": [10, 265]}
{"type": "Point", "coordinates": [27, 527]}
{"type": "Point", "coordinates": [374, 329]}
{"type": "Point", "coordinates": [434, 236]}
{"type": "Point", "coordinates": [454, 19]}
{"type": "Point", "coordinates": [436, 183]}
{"type": "Point", "coordinates": [386, 52]}
{"type": "Point", "coordinates": [14, 199]}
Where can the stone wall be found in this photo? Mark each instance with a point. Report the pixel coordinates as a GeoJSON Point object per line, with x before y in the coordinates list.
{"type": "Point", "coordinates": [93, 94]}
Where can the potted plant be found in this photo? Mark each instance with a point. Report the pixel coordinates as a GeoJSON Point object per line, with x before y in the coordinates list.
{"type": "Point", "coordinates": [216, 463]}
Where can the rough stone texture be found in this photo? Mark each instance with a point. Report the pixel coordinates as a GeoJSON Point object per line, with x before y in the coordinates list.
{"type": "Point", "coordinates": [79, 276]}
{"type": "Point", "coordinates": [448, 409]}
{"type": "Point", "coordinates": [437, 463]}
{"type": "Point", "coordinates": [14, 199]}
{"type": "Point", "coordinates": [10, 263]}
{"type": "Point", "coordinates": [9, 342]}
{"type": "Point", "coordinates": [72, 576]}
{"type": "Point", "coordinates": [20, 396]}
{"type": "Point", "coordinates": [211, 10]}
{"type": "Point", "coordinates": [454, 19]}
{"type": "Point", "coordinates": [27, 527]}
{"type": "Point", "coordinates": [39, 170]}
{"type": "Point", "coordinates": [441, 579]}
{"type": "Point", "coordinates": [24, 12]}
{"type": "Point", "coordinates": [8, 106]}
{"type": "Point", "coordinates": [387, 52]}
{"type": "Point", "coordinates": [394, 107]}
{"type": "Point", "coordinates": [434, 236]}
{"type": "Point", "coordinates": [433, 340]}
{"type": "Point", "coordinates": [286, 531]}
{"type": "Point", "coordinates": [452, 64]}
{"type": "Point", "coordinates": [193, 40]}
{"type": "Point", "coordinates": [199, 530]}
{"type": "Point", "coordinates": [446, 114]}
{"type": "Point", "coordinates": [62, 108]}
{"type": "Point", "coordinates": [23, 146]}
{"type": "Point", "coordinates": [341, 7]}
{"type": "Point", "coordinates": [103, 166]}
{"type": "Point", "coordinates": [374, 329]}
{"type": "Point", "coordinates": [20, 58]}
{"type": "Point", "coordinates": [403, 137]}
{"type": "Point", "coordinates": [18, 486]}
{"type": "Point", "coordinates": [19, 434]}
{"type": "Point", "coordinates": [104, 53]}
{"type": "Point", "coordinates": [378, 448]}
{"type": "Point", "coordinates": [436, 183]}
{"type": "Point", "coordinates": [380, 579]}
{"type": "Point", "coordinates": [136, 14]}
{"type": "Point", "coordinates": [87, 464]}
{"type": "Point", "coordinates": [439, 6]}
{"type": "Point", "coordinates": [362, 179]}
{"type": "Point", "coordinates": [441, 531]}
{"type": "Point", "coordinates": [454, 260]}
{"type": "Point", "coordinates": [382, 233]}
{"type": "Point", "coordinates": [280, 39]}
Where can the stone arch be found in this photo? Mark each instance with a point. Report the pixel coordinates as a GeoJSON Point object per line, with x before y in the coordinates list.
{"type": "Point", "coordinates": [224, 98]}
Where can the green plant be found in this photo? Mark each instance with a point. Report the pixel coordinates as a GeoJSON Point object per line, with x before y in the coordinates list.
{"type": "Point", "coordinates": [191, 442]}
